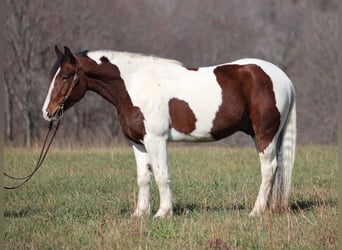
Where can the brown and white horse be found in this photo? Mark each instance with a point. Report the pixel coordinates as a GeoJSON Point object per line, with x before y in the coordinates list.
{"type": "Point", "coordinates": [160, 100]}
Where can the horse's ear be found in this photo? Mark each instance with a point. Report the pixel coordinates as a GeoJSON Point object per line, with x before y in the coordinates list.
{"type": "Point", "coordinates": [70, 57]}
{"type": "Point", "coordinates": [59, 53]}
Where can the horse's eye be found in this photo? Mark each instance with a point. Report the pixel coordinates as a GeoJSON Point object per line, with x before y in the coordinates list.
{"type": "Point", "coordinates": [65, 78]}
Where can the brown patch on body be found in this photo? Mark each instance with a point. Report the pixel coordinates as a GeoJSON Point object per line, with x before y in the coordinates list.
{"type": "Point", "coordinates": [182, 117]}
{"type": "Point", "coordinates": [248, 104]}
{"type": "Point", "coordinates": [104, 59]}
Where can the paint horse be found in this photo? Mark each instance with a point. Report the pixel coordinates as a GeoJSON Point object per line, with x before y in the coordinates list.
{"type": "Point", "coordinates": [159, 100]}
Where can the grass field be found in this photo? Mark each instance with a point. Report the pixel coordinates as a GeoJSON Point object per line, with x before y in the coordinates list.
{"type": "Point", "coordinates": [83, 199]}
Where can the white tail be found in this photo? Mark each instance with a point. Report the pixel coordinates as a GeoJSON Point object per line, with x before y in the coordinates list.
{"type": "Point", "coordinates": [285, 157]}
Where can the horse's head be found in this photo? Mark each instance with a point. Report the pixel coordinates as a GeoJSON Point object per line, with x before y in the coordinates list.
{"type": "Point", "coordinates": [68, 85]}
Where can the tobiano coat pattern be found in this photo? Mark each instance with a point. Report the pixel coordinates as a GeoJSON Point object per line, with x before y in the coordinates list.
{"type": "Point", "coordinates": [160, 100]}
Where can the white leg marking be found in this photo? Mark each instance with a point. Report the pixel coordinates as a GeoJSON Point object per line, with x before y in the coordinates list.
{"type": "Point", "coordinates": [157, 151]}
{"type": "Point", "coordinates": [143, 179]}
{"type": "Point", "coordinates": [268, 162]}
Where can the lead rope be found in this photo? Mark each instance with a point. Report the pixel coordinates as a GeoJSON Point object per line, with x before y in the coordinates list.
{"type": "Point", "coordinates": [41, 158]}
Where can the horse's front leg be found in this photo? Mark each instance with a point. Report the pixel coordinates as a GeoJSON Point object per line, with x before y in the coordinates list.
{"type": "Point", "coordinates": [143, 179]}
{"type": "Point", "coordinates": [157, 151]}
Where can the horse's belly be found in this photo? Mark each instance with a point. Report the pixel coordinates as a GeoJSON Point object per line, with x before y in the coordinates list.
{"type": "Point", "coordinates": [195, 136]}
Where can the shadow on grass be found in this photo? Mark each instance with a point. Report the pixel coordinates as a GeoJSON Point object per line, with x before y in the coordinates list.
{"type": "Point", "coordinates": [20, 213]}
{"type": "Point", "coordinates": [181, 209]}
{"type": "Point", "coordinates": [125, 211]}
{"type": "Point", "coordinates": [308, 204]}
{"type": "Point", "coordinates": [295, 207]}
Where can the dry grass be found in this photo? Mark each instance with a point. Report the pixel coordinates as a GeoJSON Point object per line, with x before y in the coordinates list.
{"type": "Point", "coordinates": [83, 199]}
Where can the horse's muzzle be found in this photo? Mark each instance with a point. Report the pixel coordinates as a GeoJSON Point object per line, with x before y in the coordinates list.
{"type": "Point", "coordinates": [57, 114]}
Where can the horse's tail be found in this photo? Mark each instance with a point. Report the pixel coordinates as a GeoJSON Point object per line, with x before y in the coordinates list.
{"type": "Point", "coordinates": [285, 157]}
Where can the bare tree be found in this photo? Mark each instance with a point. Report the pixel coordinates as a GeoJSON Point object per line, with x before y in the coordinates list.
{"type": "Point", "coordinates": [19, 84]}
{"type": "Point", "coordinates": [299, 36]}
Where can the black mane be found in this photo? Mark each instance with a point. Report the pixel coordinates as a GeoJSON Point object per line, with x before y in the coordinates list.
{"type": "Point", "coordinates": [82, 53]}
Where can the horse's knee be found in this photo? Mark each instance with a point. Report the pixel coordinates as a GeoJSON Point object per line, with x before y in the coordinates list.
{"type": "Point", "coordinates": [162, 178]}
{"type": "Point", "coordinates": [144, 179]}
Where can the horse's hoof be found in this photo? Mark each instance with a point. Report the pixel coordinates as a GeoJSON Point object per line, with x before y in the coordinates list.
{"type": "Point", "coordinates": [162, 214]}
{"type": "Point", "coordinates": [254, 214]}
{"type": "Point", "coordinates": [138, 214]}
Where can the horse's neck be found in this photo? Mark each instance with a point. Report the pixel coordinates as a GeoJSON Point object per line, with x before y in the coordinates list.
{"type": "Point", "coordinates": [113, 90]}
{"type": "Point", "coordinates": [105, 77]}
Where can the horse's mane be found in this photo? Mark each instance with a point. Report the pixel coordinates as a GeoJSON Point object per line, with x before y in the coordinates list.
{"type": "Point", "coordinates": [121, 55]}
{"type": "Point", "coordinates": [118, 55]}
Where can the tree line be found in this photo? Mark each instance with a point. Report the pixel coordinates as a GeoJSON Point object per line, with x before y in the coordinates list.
{"type": "Point", "coordinates": [299, 36]}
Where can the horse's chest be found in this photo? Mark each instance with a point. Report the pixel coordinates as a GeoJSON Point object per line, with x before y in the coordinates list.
{"type": "Point", "coordinates": [132, 124]}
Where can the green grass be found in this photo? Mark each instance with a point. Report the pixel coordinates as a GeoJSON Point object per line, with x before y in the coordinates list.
{"type": "Point", "coordinates": [83, 199]}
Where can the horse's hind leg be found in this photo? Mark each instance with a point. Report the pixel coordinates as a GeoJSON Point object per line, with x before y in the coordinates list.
{"type": "Point", "coordinates": [268, 162]}
{"type": "Point", "coordinates": [143, 179]}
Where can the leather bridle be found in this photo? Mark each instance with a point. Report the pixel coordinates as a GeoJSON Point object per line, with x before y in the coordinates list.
{"type": "Point", "coordinates": [46, 146]}
{"type": "Point", "coordinates": [60, 111]}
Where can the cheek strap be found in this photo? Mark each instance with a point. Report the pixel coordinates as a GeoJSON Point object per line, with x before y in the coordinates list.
{"type": "Point", "coordinates": [75, 81]}
{"type": "Point", "coordinates": [76, 78]}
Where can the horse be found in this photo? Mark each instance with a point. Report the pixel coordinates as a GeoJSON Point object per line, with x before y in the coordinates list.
{"type": "Point", "coordinates": [160, 100]}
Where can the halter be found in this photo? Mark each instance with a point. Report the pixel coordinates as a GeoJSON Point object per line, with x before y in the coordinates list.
{"type": "Point", "coordinates": [44, 150]}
